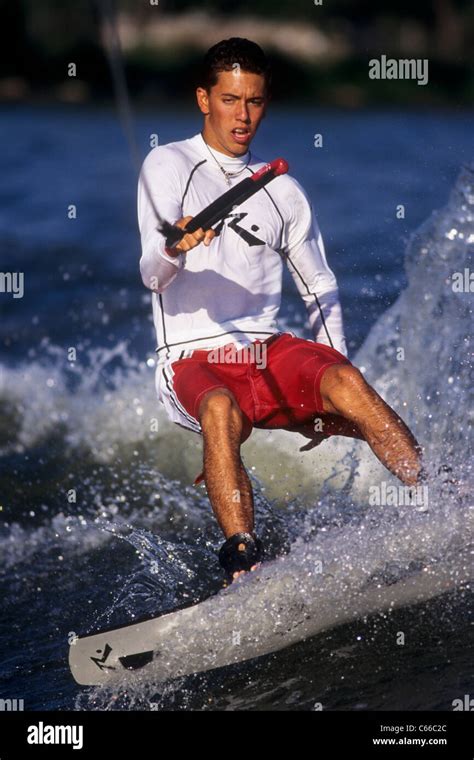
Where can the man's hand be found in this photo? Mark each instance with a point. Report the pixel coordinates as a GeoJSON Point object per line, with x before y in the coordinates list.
{"type": "Point", "coordinates": [191, 239]}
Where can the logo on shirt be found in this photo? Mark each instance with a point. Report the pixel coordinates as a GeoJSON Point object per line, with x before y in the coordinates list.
{"type": "Point", "coordinates": [241, 232]}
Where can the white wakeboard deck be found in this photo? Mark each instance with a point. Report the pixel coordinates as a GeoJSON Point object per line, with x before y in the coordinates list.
{"type": "Point", "coordinates": [263, 612]}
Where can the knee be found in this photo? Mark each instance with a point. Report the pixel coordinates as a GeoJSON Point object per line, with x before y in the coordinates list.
{"type": "Point", "coordinates": [342, 381]}
{"type": "Point", "coordinates": [341, 375]}
{"type": "Point", "coordinates": [218, 405]}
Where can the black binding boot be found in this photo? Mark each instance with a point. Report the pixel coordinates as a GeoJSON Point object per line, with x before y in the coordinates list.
{"type": "Point", "coordinates": [233, 559]}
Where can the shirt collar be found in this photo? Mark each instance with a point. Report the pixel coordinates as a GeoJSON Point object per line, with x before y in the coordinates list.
{"type": "Point", "coordinates": [222, 158]}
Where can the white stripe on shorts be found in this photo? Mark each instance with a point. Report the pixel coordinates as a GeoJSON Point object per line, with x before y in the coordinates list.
{"type": "Point", "coordinates": [173, 407]}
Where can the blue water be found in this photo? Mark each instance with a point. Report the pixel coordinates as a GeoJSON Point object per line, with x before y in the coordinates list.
{"type": "Point", "coordinates": [66, 425]}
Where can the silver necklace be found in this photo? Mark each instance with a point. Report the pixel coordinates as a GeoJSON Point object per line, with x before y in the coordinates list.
{"type": "Point", "coordinates": [226, 174]}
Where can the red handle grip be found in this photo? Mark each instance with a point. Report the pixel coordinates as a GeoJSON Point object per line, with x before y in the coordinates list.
{"type": "Point", "coordinates": [277, 167]}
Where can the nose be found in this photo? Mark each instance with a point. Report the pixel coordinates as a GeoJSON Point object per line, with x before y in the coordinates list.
{"type": "Point", "coordinates": [243, 113]}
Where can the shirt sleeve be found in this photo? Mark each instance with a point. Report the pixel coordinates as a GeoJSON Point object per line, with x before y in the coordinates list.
{"type": "Point", "coordinates": [315, 281]}
{"type": "Point", "coordinates": [158, 187]}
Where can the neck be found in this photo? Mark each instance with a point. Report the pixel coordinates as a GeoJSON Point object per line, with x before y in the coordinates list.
{"type": "Point", "coordinates": [212, 142]}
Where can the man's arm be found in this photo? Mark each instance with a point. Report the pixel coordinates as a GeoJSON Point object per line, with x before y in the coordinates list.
{"type": "Point", "coordinates": [160, 177]}
{"type": "Point", "coordinates": [316, 283]}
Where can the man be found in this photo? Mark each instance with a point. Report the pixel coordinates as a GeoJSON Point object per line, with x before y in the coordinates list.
{"type": "Point", "coordinates": [216, 297]}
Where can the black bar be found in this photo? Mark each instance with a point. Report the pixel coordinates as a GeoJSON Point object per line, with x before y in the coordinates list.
{"type": "Point", "coordinates": [327, 733]}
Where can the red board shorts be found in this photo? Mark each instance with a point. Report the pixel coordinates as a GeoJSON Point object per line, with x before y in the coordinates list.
{"type": "Point", "coordinates": [275, 387]}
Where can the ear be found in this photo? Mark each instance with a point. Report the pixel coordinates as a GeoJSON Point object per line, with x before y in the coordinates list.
{"type": "Point", "coordinates": [202, 100]}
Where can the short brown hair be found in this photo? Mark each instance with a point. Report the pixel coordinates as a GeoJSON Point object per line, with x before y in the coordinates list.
{"type": "Point", "coordinates": [225, 54]}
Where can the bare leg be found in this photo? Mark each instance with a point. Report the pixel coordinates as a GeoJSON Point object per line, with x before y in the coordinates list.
{"type": "Point", "coordinates": [228, 485]}
{"type": "Point", "coordinates": [345, 391]}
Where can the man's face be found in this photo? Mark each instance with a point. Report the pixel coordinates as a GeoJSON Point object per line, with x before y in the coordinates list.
{"type": "Point", "coordinates": [234, 109]}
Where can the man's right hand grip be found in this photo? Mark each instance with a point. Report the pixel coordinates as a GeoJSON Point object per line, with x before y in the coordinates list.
{"type": "Point", "coordinates": [219, 208]}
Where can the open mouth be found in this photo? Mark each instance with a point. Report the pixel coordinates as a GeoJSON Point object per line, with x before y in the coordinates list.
{"type": "Point", "coordinates": [241, 134]}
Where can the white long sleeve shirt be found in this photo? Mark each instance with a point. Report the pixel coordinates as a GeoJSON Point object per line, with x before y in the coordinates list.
{"type": "Point", "coordinates": [230, 291]}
